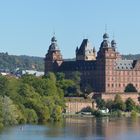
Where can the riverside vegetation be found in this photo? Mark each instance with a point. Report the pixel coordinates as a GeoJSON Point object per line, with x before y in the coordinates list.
{"type": "Point", "coordinates": [117, 107]}
{"type": "Point", "coordinates": [31, 99]}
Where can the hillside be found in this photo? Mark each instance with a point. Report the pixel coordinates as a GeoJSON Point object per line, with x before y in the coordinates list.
{"type": "Point", "coordinates": [132, 56]}
{"type": "Point", "coordinates": [11, 62]}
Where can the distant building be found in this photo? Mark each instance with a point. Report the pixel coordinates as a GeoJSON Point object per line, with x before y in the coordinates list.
{"type": "Point", "coordinates": [19, 73]}
{"type": "Point", "coordinates": [106, 73]}
{"type": "Point", "coordinates": [4, 73]}
{"type": "Point", "coordinates": [33, 72]}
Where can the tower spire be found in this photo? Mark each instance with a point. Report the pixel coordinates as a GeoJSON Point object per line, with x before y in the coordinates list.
{"type": "Point", "coordinates": [113, 36]}
{"type": "Point", "coordinates": [105, 28]}
{"type": "Point", "coordinates": [53, 33]}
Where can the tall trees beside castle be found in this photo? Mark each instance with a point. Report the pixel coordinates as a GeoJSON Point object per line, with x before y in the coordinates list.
{"type": "Point", "coordinates": [31, 99]}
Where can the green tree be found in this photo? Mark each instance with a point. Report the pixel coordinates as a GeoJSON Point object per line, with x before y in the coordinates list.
{"type": "Point", "coordinates": [57, 113]}
{"type": "Point", "coordinates": [68, 87]}
{"type": "Point", "coordinates": [130, 104]}
{"type": "Point", "coordinates": [51, 76]}
{"type": "Point", "coordinates": [10, 112]}
{"type": "Point", "coordinates": [31, 116]}
{"type": "Point", "coordinates": [100, 103]}
{"type": "Point", "coordinates": [1, 116]}
{"type": "Point", "coordinates": [4, 86]}
{"type": "Point", "coordinates": [60, 76]}
{"type": "Point", "coordinates": [76, 78]}
{"type": "Point", "coordinates": [32, 99]}
{"type": "Point", "coordinates": [51, 88]}
{"type": "Point", "coordinates": [118, 103]}
{"type": "Point", "coordinates": [109, 105]}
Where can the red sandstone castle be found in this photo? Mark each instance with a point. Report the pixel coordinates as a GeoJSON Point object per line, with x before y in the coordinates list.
{"type": "Point", "coordinates": [106, 73]}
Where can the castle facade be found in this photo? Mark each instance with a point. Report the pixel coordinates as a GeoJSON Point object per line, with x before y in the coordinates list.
{"type": "Point", "coordinates": [106, 73]}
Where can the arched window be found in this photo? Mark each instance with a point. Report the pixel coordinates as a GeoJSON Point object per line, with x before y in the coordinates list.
{"type": "Point", "coordinates": [130, 88]}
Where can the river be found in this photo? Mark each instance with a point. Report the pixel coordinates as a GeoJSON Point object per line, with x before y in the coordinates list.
{"type": "Point", "coordinates": [77, 129]}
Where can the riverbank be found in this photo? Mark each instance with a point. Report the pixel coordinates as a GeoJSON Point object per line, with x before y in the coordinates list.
{"type": "Point", "coordinates": [99, 114]}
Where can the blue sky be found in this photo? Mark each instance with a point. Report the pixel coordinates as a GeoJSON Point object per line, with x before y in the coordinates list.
{"type": "Point", "coordinates": [26, 26]}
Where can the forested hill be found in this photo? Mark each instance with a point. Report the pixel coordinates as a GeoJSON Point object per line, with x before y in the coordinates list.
{"type": "Point", "coordinates": [131, 56]}
{"type": "Point", "coordinates": [11, 62]}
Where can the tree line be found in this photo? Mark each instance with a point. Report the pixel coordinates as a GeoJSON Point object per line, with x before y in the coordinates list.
{"type": "Point", "coordinates": [11, 62]}
{"type": "Point", "coordinates": [117, 106]}
{"type": "Point", "coordinates": [31, 99]}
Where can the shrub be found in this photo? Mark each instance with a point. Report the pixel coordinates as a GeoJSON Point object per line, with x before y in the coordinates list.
{"type": "Point", "coordinates": [97, 113]}
{"type": "Point", "coordinates": [117, 113]}
{"type": "Point", "coordinates": [133, 114]}
{"type": "Point", "coordinates": [130, 104]}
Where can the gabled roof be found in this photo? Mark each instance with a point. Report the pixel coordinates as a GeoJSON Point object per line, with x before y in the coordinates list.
{"type": "Point", "coordinates": [85, 48]}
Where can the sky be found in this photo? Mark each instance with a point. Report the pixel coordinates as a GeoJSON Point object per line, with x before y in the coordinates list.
{"type": "Point", "coordinates": [26, 26]}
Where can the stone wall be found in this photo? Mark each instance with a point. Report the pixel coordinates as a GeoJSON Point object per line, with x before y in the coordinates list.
{"type": "Point", "coordinates": [74, 105]}
{"type": "Point", "coordinates": [124, 96]}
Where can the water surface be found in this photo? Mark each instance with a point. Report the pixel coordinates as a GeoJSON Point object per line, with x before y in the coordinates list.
{"type": "Point", "coordinates": [77, 129]}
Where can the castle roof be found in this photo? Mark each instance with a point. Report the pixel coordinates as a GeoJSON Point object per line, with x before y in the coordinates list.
{"type": "Point", "coordinates": [77, 65]}
{"type": "Point", "coordinates": [105, 36]}
{"type": "Point", "coordinates": [105, 43]}
{"type": "Point", "coordinates": [85, 48]}
{"type": "Point", "coordinates": [54, 45]}
{"type": "Point", "coordinates": [124, 64]}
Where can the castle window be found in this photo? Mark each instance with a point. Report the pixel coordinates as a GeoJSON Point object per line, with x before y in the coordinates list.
{"type": "Point", "coordinates": [112, 85]}
{"type": "Point", "coordinates": [108, 85]}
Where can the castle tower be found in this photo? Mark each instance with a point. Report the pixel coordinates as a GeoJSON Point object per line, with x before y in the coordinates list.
{"type": "Point", "coordinates": [106, 57]}
{"type": "Point", "coordinates": [53, 57]}
{"type": "Point", "coordinates": [86, 51]}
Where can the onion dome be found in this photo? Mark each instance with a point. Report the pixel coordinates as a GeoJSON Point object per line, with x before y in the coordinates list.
{"type": "Point", "coordinates": [105, 36]}
{"type": "Point", "coordinates": [113, 43]}
{"type": "Point", "coordinates": [53, 45]}
{"type": "Point", "coordinates": [105, 43]}
{"type": "Point", "coordinates": [53, 39]}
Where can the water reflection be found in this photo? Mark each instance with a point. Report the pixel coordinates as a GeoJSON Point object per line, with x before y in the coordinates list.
{"type": "Point", "coordinates": [104, 127]}
{"type": "Point", "coordinates": [77, 129]}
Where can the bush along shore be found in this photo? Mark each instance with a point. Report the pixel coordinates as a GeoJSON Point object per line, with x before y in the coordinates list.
{"type": "Point", "coordinates": [31, 99]}
{"type": "Point", "coordinates": [114, 108]}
